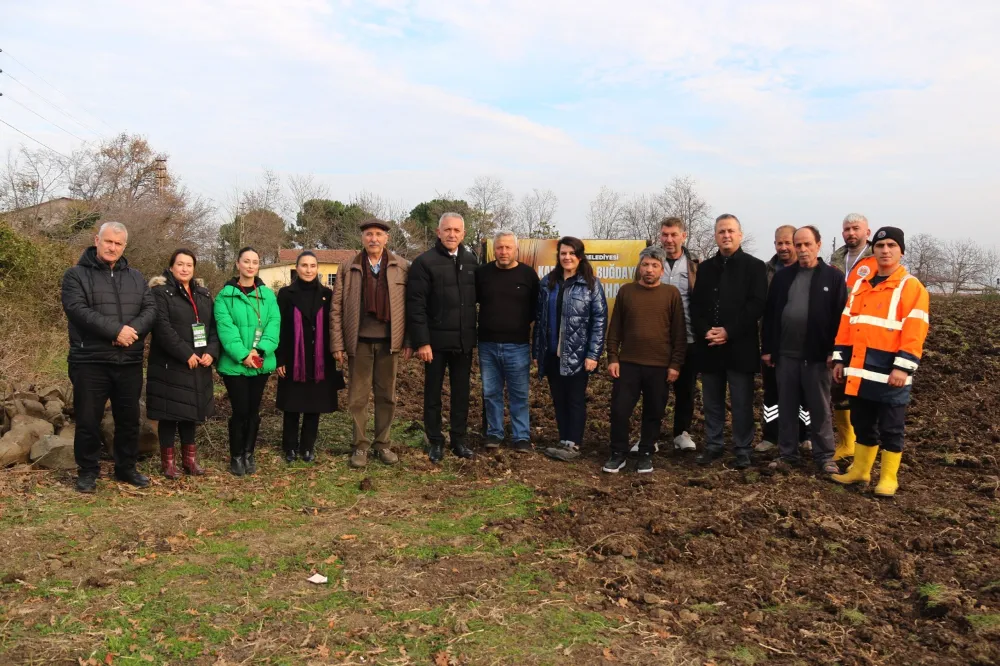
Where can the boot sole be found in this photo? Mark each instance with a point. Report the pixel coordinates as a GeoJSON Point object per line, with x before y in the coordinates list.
{"type": "Point", "coordinates": [614, 470]}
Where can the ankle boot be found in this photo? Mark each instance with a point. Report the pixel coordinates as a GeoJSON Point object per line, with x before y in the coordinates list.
{"type": "Point", "coordinates": [249, 464]}
{"type": "Point", "coordinates": [307, 446]}
{"type": "Point", "coordinates": [861, 470]}
{"type": "Point", "coordinates": [887, 481]}
{"type": "Point", "coordinates": [190, 460]}
{"type": "Point", "coordinates": [168, 464]}
{"type": "Point", "coordinates": [237, 428]}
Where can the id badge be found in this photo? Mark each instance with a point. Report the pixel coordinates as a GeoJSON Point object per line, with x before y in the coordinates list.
{"type": "Point", "coordinates": [200, 335]}
{"type": "Point", "coordinates": [258, 333]}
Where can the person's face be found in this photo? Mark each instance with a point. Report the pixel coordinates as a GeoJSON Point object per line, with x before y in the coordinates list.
{"type": "Point", "coordinates": [856, 234]}
{"type": "Point", "coordinates": [807, 248]}
{"type": "Point", "coordinates": [307, 269]}
{"type": "Point", "coordinates": [728, 236]}
{"type": "Point", "coordinates": [183, 268]}
{"type": "Point", "coordinates": [505, 250]}
{"type": "Point", "coordinates": [650, 272]}
{"type": "Point", "coordinates": [672, 240]}
{"type": "Point", "coordinates": [374, 240]}
{"type": "Point", "coordinates": [888, 253]}
{"type": "Point", "coordinates": [248, 264]}
{"type": "Point", "coordinates": [784, 246]}
{"type": "Point", "coordinates": [452, 233]}
{"type": "Point", "coordinates": [568, 259]}
{"type": "Point", "coordinates": [110, 245]}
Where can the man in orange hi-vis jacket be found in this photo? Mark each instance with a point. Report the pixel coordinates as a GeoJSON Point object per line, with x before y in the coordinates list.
{"type": "Point", "coordinates": [878, 348]}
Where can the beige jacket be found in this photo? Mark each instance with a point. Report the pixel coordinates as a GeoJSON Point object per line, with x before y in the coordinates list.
{"type": "Point", "coordinates": [345, 313]}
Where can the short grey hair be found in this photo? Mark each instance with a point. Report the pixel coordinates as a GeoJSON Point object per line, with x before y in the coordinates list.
{"type": "Point", "coordinates": [855, 217]}
{"type": "Point", "coordinates": [447, 216]}
{"type": "Point", "coordinates": [116, 227]}
{"type": "Point", "coordinates": [503, 233]}
{"type": "Point", "coordinates": [654, 252]}
{"type": "Point", "coordinates": [728, 216]}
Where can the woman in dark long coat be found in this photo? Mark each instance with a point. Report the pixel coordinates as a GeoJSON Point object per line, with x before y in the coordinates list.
{"type": "Point", "coordinates": [308, 379]}
{"type": "Point", "coordinates": [179, 388]}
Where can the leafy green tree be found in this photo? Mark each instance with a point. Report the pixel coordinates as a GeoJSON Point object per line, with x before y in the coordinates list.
{"type": "Point", "coordinates": [325, 223]}
{"type": "Point", "coordinates": [421, 225]}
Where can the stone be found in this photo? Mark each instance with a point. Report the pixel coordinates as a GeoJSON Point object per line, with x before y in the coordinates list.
{"type": "Point", "coordinates": [15, 446]}
{"type": "Point", "coordinates": [43, 445]}
{"type": "Point", "coordinates": [650, 598]}
{"type": "Point", "coordinates": [53, 392]}
{"type": "Point", "coordinates": [34, 408]}
{"type": "Point", "coordinates": [68, 431]}
{"type": "Point", "coordinates": [54, 406]}
{"type": "Point", "coordinates": [25, 394]}
{"type": "Point", "coordinates": [688, 616]}
{"type": "Point", "coordinates": [60, 456]}
{"type": "Point", "coordinates": [149, 442]}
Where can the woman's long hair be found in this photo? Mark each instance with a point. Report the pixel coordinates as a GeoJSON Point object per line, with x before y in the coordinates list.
{"type": "Point", "coordinates": [585, 270]}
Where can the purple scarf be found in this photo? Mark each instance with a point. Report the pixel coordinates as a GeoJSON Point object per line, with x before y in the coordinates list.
{"type": "Point", "coordinates": [319, 371]}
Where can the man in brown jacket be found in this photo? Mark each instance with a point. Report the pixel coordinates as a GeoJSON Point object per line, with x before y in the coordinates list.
{"type": "Point", "coordinates": [367, 324]}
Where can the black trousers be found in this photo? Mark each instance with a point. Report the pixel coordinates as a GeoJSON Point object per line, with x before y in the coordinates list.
{"type": "Point", "coordinates": [569, 397]}
{"type": "Point", "coordinates": [93, 385]}
{"type": "Point", "coordinates": [634, 380]}
{"type": "Point", "coordinates": [877, 423]}
{"type": "Point", "coordinates": [166, 431]}
{"type": "Point", "coordinates": [245, 394]}
{"type": "Point", "coordinates": [459, 367]}
{"type": "Point", "coordinates": [771, 413]}
{"type": "Point", "coordinates": [684, 395]}
{"type": "Point", "coordinates": [290, 438]}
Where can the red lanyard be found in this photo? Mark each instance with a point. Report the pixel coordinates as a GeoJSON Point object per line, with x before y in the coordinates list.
{"type": "Point", "coordinates": [190, 296]}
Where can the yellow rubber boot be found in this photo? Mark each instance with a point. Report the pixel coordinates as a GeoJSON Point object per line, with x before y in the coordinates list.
{"type": "Point", "coordinates": [845, 434]}
{"type": "Point", "coordinates": [887, 482]}
{"type": "Point", "coordinates": [861, 470]}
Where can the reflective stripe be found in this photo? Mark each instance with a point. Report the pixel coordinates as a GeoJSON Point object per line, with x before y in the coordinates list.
{"type": "Point", "coordinates": [770, 413]}
{"type": "Point", "coordinates": [919, 314]}
{"type": "Point", "coordinates": [837, 356]}
{"type": "Point", "coordinates": [905, 363]}
{"type": "Point", "coordinates": [896, 293]}
{"type": "Point", "coordinates": [872, 376]}
{"type": "Point", "coordinates": [890, 324]}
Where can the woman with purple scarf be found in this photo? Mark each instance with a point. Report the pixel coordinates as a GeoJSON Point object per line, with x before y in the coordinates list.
{"type": "Point", "coordinates": [308, 379]}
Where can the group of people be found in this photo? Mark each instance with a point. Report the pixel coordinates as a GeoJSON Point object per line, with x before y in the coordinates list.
{"type": "Point", "coordinates": [837, 344]}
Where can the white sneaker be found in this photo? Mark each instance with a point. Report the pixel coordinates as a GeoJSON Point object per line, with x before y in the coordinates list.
{"type": "Point", "coordinates": [683, 442]}
{"type": "Point", "coordinates": [806, 446]}
{"type": "Point", "coordinates": [656, 447]}
{"type": "Point", "coordinates": [765, 446]}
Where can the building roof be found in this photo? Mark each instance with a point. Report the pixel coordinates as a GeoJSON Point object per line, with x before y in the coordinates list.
{"type": "Point", "coordinates": [44, 204]}
{"type": "Point", "coordinates": [322, 256]}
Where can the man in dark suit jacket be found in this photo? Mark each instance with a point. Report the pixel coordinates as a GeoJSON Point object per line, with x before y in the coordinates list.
{"type": "Point", "coordinates": [726, 306]}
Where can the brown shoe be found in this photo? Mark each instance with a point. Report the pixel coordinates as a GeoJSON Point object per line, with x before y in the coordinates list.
{"type": "Point", "coordinates": [386, 456]}
{"type": "Point", "coordinates": [358, 459]}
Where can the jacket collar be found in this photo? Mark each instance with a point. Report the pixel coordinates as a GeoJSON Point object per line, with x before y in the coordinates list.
{"type": "Point", "coordinates": [359, 259]}
{"type": "Point", "coordinates": [439, 246]}
{"type": "Point", "coordinates": [893, 280]}
{"type": "Point", "coordinates": [90, 259]}
{"type": "Point", "coordinates": [720, 259]}
{"type": "Point", "coordinates": [235, 282]}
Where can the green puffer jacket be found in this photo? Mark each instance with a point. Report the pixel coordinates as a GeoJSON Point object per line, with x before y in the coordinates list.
{"type": "Point", "coordinates": [236, 322]}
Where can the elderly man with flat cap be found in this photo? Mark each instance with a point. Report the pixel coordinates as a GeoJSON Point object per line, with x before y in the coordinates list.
{"type": "Point", "coordinates": [368, 326]}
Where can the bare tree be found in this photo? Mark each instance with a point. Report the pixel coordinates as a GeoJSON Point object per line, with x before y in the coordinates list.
{"type": "Point", "coordinates": [990, 277]}
{"type": "Point", "coordinates": [964, 264]}
{"type": "Point", "coordinates": [31, 177]}
{"type": "Point", "coordinates": [641, 216]}
{"type": "Point", "coordinates": [302, 188]}
{"type": "Point", "coordinates": [535, 214]}
{"type": "Point", "coordinates": [680, 199]}
{"type": "Point", "coordinates": [924, 258]}
{"type": "Point", "coordinates": [254, 220]}
{"type": "Point", "coordinates": [493, 205]}
{"type": "Point", "coordinates": [606, 216]}
{"type": "Point", "coordinates": [123, 169]}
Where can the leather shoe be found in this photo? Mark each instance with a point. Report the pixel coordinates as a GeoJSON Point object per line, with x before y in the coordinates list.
{"type": "Point", "coordinates": [742, 462]}
{"type": "Point", "coordinates": [291, 455]}
{"type": "Point", "coordinates": [462, 451]}
{"type": "Point", "coordinates": [707, 457]}
{"type": "Point", "coordinates": [236, 466]}
{"type": "Point", "coordinates": [86, 483]}
{"type": "Point", "coordinates": [308, 455]}
{"type": "Point", "coordinates": [249, 464]}
{"type": "Point", "coordinates": [435, 452]}
{"type": "Point", "coordinates": [133, 478]}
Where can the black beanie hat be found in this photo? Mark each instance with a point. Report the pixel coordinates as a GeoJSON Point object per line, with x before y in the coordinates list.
{"type": "Point", "coordinates": [895, 233]}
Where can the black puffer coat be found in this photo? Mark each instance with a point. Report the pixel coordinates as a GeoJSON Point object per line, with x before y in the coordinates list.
{"type": "Point", "coordinates": [441, 300]}
{"type": "Point", "coordinates": [173, 390]}
{"type": "Point", "coordinates": [99, 300]}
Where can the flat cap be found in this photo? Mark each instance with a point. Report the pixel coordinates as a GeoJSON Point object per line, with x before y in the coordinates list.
{"type": "Point", "coordinates": [374, 222]}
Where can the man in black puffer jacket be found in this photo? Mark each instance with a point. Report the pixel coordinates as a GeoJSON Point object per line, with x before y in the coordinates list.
{"type": "Point", "coordinates": [110, 311]}
{"type": "Point", "coordinates": [441, 325]}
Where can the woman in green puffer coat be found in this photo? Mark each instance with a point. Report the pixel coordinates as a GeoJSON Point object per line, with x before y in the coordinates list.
{"type": "Point", "coordinates": [248, 323]}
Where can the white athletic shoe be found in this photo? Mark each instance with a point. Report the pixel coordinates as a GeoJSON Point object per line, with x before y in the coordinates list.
{"type": "Point", "coordinates": [683, 442]}
{"type": "Point", "coordinates": [635, 447]}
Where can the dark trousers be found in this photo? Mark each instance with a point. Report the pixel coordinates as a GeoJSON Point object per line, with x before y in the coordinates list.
{"type": "Point", "coordinates": [291, 440]}
{"type": "Point", "coordinates": [569, 397]}
{"type": "Point", "coordinates": [245, 394]}
{"type": "Point", "coordinates": [634, 380]}
{"type": "Point", "coordinates": [875, 421]}
{"type": "Point", "coordinates": [93, 385]}
{"type": "Point", "coordinates": [459, 366]}
{"type": "Point", "coordinates": [804, 382]}
{"type": "Point", "coordinates": [684, 396]}
{"type": "Point", "coordinates": [167, 431]}
{"type": "Point", "coordinates": [771, 412]}
{"type": "Point", "coordinates": [713, 389]}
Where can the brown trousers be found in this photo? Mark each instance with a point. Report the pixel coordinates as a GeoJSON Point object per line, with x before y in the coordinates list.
{"type": "Point", "coordinates": [372, 367]}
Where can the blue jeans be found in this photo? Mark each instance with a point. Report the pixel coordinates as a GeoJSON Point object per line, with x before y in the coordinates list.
{"type": "Point", "coordinates": [504, 363]}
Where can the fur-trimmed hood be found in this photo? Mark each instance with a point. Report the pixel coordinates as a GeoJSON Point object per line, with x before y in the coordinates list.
{"type": "Point", "coordinates": [161, 280]}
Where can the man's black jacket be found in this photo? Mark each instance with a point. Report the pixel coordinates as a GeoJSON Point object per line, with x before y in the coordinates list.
{"type": "Point", "coordinates": [99, 300]}
{"type": "Point", "coordinates": [441, 300]}
{"type": "Point", "coordinates": [827, 297]}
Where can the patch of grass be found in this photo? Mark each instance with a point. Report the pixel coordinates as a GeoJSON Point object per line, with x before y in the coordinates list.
{"type": "Point", "coordinates": [933, 593]}
{"type": "Point", "coordinates": [250, 525]}
{"type": "Point", "coordinates": [853, 616]}
{"type": "Point", "coordinates": [984, 622]}
{"type": "Point", "coordinates": [833, 547]}
{"type": "Point", "coordinates": [704, 608]}
{"type": "Point", "coordinates": [746, 655]}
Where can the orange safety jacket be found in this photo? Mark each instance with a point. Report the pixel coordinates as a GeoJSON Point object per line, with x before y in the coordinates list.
{"type": "Point", "coordinates": [882, 329]}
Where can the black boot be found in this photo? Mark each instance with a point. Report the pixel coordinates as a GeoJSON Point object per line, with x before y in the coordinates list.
{"type": "Point", "coordinates": [289, 436]}
{"type": "Point", "coordinates": [435, 451]}
{"type": "Point", "coordinates": [462, 451]}
{"type": "Point", "coordinates": [237, 428]}
{"type": "Point", "coordinates": [249, 464]}
{"type": "Point", "coordinates": [307, 442]}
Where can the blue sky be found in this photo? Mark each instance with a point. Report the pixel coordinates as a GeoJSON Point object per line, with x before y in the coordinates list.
{"type": "Point", "coordinates": [784, 112]}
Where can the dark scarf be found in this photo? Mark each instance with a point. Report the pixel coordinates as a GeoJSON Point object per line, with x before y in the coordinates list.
{"type": "Point", "coordinates": [376, 288]}
{"type": "Point", "coordinates": [307, 302]}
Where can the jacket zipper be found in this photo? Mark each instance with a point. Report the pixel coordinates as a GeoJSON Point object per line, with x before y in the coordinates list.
{"type": "Point", "coordinates": [118, 301]}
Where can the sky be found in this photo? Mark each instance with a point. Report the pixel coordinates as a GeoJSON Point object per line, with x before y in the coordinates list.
{"type": "Point", "coordinates": [783, 112]}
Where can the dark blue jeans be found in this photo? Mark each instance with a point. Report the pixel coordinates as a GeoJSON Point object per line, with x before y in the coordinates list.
{"type": "Point", "coordinates": [500, 364]}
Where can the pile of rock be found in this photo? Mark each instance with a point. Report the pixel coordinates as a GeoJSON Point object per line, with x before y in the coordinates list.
{"type": "Point", "coordinates": [37, 427]}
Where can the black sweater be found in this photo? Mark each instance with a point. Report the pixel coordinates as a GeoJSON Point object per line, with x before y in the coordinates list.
{"type": "Point", "coordinates": [507, 299]}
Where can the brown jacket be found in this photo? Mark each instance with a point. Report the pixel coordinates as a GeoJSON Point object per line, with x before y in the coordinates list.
{"type": "Point", "coordinates": [345, 315]}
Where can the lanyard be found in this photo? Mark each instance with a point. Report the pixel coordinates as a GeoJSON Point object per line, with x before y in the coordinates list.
{"type": "Point", "coordinates": [194, 305]}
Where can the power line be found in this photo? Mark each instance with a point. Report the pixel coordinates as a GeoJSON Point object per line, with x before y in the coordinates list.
{"type": "Point", "coordinates": [26, 108]}
{"type": "Point", "coordinates": [45, 81]}
{"type": "Point", "coordinates": [32, 138]}
{"type": "Point", "coordinates": [50, 103]}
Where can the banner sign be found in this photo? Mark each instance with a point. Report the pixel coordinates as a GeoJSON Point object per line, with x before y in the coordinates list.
{"type": "Point", "coordinates": [614, 261]}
